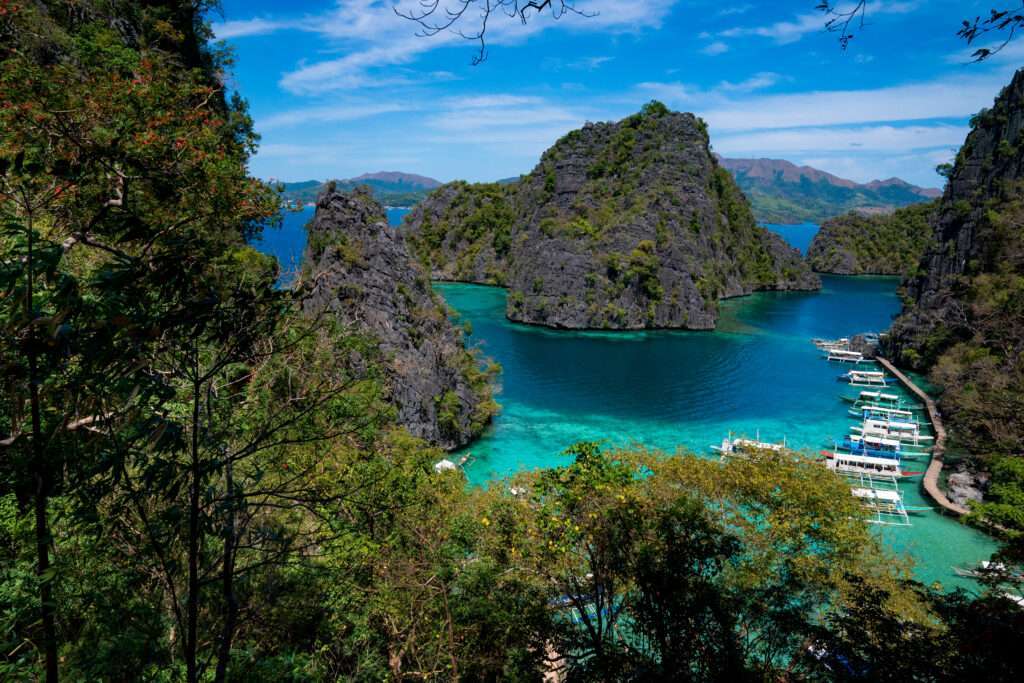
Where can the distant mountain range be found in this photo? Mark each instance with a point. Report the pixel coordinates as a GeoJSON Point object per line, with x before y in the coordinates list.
{"type": "Point", "coordinates": [390, 188]}
{"type": "Point", "coordinates": [779, 191]}
{"type": "Point", "coordinates": [782, 192]}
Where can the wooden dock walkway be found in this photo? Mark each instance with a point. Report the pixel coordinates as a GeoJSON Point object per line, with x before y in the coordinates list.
{"type": "Point", "coordinates": [931, 476]}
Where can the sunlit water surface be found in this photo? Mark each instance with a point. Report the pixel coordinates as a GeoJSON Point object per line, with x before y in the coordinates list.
{"type": "Point", "coordinates": [756, 374]}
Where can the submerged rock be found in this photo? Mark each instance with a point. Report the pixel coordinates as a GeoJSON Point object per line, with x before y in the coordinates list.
{"type": "Point", "coordinates": [626, 225]}
{"type": "Point", "coordinates": [358, 269]}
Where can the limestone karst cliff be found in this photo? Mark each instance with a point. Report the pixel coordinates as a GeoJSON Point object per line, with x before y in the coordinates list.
{"type": "Point", "coordinates": [625, 225]}
{"type": "Point", "coordinates": [357, 269]}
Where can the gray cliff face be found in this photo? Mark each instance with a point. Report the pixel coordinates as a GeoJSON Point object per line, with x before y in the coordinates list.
{"type": "Point", "coordinates": [989, 163]}
{"type": "Point", "coordinates": [626, 225]}
{"type": "Point", "coordinates": [360, 271]}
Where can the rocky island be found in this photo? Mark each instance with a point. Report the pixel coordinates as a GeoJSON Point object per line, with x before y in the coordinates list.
{"type": "Point", "coordinates": [882, 244]}
{"type": "Point", "coordinates": [627, 225]}
{"type": "Point", "coordinates": [357, 269]}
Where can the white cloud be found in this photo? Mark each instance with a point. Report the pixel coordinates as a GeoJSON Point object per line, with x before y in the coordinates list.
{"type": "Point", "coordinates": [669, 92]}
{"type": "Point", "coordinates": [247, 27]}
{"type": "Point", "coordinates": [863, 139]}
{"type": "Point", "coordinates": [953, 97]}
{"type": "Point", "coordinates": [759, 81]}
{"type": "Point", "coordinates": [372, 36]}
{"type": "Point", "coordinates": [332, 113]}
{"type": "Point", "coordinates": [1012, 53]}
{"type": "Point", "coordinates": [715, 48]}
{"type": "Point", "coordinates": [785, 32]}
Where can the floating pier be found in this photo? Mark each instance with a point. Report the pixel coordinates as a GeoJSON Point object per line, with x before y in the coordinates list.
{"type": "Point", "coordinates": [931, 476]}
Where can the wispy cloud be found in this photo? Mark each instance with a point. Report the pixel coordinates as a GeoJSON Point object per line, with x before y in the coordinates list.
{"type": "Point", "coordinates": [715, 48]}
{"type": "Point", "coordinates": [759, 81]}
{"type": "Point", "coordinates": [792, 30]}
{"type": "Point", "coordinates": [332, 113]}
{"type": "Point", "coordinates": [889, 139]}
{"type": "Point", "coordinates": [953, 97]}
{"type": "Point", "coordinates": [373, 37]}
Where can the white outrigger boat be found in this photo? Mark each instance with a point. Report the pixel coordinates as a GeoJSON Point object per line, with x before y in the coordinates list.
{"type": "Point", "coordinates": [879, 399]}
{"type": "Point", "coordinates": [829, 344]}
{"type": "Point", "coordinates": [907, 433]}
{"type": "Point", "coordinates": [866, 378]}
{"type": "Point", "coordinates": [740, 446]}
{"type": "Point", "coordinates": [884, 414]}
{"type": "Point", "coordinates": [860, 465]}
{"type": "Point", "coordinates": [884, 505]}
{"type": "Point", "coordinates": [876, 447]}
{"type": "Point", "coordinates": [845, 356]}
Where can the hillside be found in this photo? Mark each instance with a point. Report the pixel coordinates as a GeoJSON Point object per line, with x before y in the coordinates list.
{"type": "Point", "coordinates": [782, 192]}
{"type": "Point", "coordinates": [626, 225]}
{"type": "Point", "coordinates": [887, 244]}
{"type": "Point", "coordinates": [390, 188]}
{"type": "Point", "coordinates": [964, 317]}
{"type": "Point", "coordinates": [357, 269]}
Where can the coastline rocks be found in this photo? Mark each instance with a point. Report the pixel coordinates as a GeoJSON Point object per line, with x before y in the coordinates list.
{"type": "Point", "coordinates": [357, 269]}
{"type": "Point", "coordinates": [965, 486]}
{"type": "Point", "coordinates": [628, 225]}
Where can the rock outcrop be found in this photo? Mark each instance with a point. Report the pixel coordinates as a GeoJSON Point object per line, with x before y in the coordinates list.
{"type": "Point", "coordinates": [358, 269]}
{"type": "Point", "coordinates": [987, 173]}
{"type": "Point", "coordinates": [964, 317]}
{"type": "Point", "coordinates": [857, 244]}
{"type": "Point", "coordinates": [626, 225]}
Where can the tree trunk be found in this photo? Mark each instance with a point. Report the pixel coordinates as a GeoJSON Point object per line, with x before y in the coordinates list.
{"type": "Point", "coordinates": [192, 608]}
{"type": "Point", "coordinates": [40, 475]}
{"type": "Point", "coordinates": [227, 583]}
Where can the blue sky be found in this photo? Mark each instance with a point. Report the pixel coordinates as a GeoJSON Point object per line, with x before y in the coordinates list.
{"type": "Point", "coordinates": [342, 87]}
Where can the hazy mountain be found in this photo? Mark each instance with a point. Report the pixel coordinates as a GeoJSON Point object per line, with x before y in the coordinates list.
{"type": "Point", "coordinates": [782, 192]}
{"type": "Point", "coordinates": [391, 188]}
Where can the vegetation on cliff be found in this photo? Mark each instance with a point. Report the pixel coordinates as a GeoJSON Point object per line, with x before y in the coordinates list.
{"type": "Point", "coordinates": [464, 232]}
{"type": "Point", "coordinates": [358, 270]}
{"type": "Point", "coordinates": [625, 225]}
{"type": "Point", "coordinates": [858, 244]}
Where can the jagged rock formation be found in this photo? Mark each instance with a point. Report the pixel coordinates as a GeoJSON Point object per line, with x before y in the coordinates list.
{"type": "Point", "coordinates": [626, 225]}
{"type": "Point", "coordinates": [856, 244]}
{"type": "Point", "coordinates": [357, 268]}
{"type": "Point", "coordinates": [782, 192]}
{"type": "Point", "coordinates": [964, 320]}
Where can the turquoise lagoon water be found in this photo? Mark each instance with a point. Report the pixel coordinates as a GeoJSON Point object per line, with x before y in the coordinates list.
{"type": "Point", "coordinates": [798, 235]}
{"type": "Point", "coordinates": [756, 374]}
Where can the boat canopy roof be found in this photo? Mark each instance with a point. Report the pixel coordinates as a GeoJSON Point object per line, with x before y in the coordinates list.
{"type": "Point", "coordinates": [866, 460]}
{"type": "Point", "coordinates": [877, 494]}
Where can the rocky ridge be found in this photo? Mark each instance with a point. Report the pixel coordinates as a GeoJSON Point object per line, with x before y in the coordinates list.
{"type": "Point", "coordinates": [627, 225]}
{"type": "Point", "coordinates": [357, 269]}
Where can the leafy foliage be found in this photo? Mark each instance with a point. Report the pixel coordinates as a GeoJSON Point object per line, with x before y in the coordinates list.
{"type": "Point", "coordinates": [856, 244]}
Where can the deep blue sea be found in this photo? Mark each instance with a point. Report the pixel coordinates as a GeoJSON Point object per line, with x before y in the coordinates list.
{"type": "Point", "coordinates": [757, 374]}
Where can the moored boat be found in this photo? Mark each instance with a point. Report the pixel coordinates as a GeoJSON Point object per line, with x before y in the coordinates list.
{"type": "Point", "coordinates": [866, 378]}
{"type": "Point", "coordinates": [845, 356]}
{"type": "Point", "coordinates": [739, 446]}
